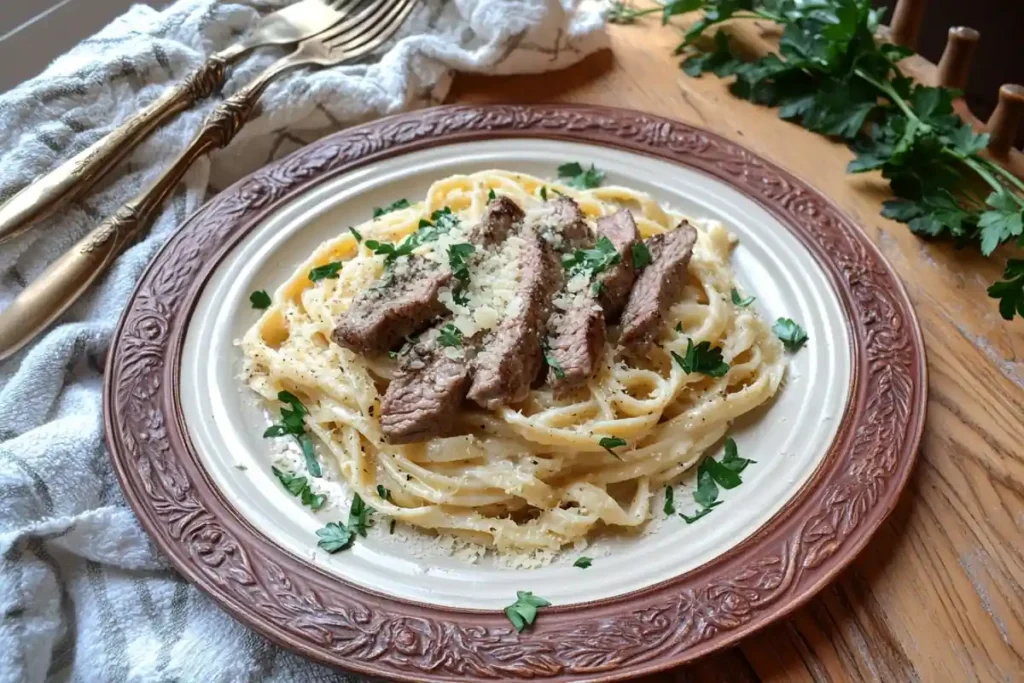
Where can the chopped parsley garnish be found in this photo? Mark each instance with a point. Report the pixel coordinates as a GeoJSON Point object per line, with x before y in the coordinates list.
{"type": "Point", "coordinates": [393, 355]}
{"type": "Point", "coordinates": [450, 336]}
{"type": "Point", "coordinates": [360, 516]}
{"type": "Point", "coordinates": [740, 301]}
{"type": "Point", "coordinates": [700, 513]}
{"type": "Point", "coordinates": [337, 536]}
{"type": "Point", "coordinates": [611, 442]}
{"type": "Point", "coordinates": [641, 256]}
{"type": "Point", "coordinates": [490, 195]}
{"type": "Point", "coordinates": [523, 611]}
{"type": "Point", "coordinates": [440, 223]}
{"type": "Point", "coordinates": [299, 487]}
{"type": "Point", "coordinates": [334, 537]}
{"type": "Point", "coordinates": [582, 563]}
{"type": "Point", "coordinates": [596, 286]}
{"type": "Point", "coordinates": [458, 259]}
{"type": "Point", "coordinates": [544, 192]}
{"type": "Point", "coordinates": [356, 234]}
{"type": "Point", "coordinates": [260, 300]}
{"type": "Point", "coordinates": [732, 459]}
{"type": "Point", "coordinates": [703, 359]}
{"type": "Point", "coordinates": [578, 177]}
{"type": "Point", "coordinates": [670, 500]}
{"type": "Point", "coordinates": [383, 492]}
{"type": "Point", "coordinates": [328, 271]}
{"type": "Point", "coordinates": [293, 424]}
{"type": "Point", "coordinates": [792, 335]}
{"type": "Point", "coordinates": [393, 206]}
{"type": "Point", "coordinates": [592, 261]}
{"type": "Point", "coordinates": [711, 474]}
{"type": "Point", "coordinates": [459, 296]}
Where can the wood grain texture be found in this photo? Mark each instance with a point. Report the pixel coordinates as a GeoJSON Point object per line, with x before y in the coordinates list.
{"type": "Point", "coordinates": [937, 595]}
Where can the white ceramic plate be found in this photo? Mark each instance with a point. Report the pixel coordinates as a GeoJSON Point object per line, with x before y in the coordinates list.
{"type": "Point", "coordinates": [833, 449]}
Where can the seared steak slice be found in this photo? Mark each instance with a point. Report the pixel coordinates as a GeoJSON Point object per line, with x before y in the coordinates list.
{"type": "Point", "coordinates": [617, 280]}
{"type": "Point", "coordinates": [404, 301]}
{"type": "Point", "coordinates": [425, 396]}
{"type": "Point", "coordinates": [502, 213]}
{"type": "Point", "coordinates": [511, 356]}
{"type": "Point", "coordinates": [575, 343]}
{"type": "Point", "coordinates": [562, 224]}
{"type": "Point", "coordinates": [658, 286]}
{"type": "Point", "coordinates": [397, 305]}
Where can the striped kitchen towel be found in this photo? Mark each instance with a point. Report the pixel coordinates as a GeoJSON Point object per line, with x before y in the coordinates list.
{"type": "Point", "coordinates": [84, 596]}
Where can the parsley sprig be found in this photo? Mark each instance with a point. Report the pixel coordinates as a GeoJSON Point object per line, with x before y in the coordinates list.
{"type": "Point", "coordinates": [260, 300]}
{"type": "Point", "coordinates": [593, 261]}
{"type": "Point", "coordinates": [833, 77]}
{"type": "Point", "coordinates": [293, 423]}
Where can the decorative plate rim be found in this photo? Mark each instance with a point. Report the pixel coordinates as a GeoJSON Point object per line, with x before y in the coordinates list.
{"type": "Point", "coordinates": [767, 576]}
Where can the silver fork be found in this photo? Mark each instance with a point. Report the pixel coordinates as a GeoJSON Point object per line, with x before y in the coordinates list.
{"type": "Point", "coordinates": [68, 277]}
{"type": "Point", "coordinates": [77, 175]}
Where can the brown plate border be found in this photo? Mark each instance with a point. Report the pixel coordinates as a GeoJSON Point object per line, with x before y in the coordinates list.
{"type": "Point", "coordinates": [302, 608]}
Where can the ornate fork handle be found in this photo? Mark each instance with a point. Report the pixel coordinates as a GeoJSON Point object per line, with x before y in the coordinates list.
{"type": "Point", "coordinates": [68, 277]}
{"type": "Point", "coordinates": [71, 179]}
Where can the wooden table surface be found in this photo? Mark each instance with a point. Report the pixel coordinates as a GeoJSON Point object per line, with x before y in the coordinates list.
{"type": "Point", "coordinates": [938, 594]}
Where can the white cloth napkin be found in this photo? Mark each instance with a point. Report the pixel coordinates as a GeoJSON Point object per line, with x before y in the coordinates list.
{"type": "Point", "coordinates": [84, 596]}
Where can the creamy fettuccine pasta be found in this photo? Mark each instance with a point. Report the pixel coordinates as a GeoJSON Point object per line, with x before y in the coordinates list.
{"type": "Point", "coordinates": [530, 475]}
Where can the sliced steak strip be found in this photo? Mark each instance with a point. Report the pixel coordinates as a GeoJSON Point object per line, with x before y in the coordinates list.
{"type": "Point", "coordinates": [426, 395]}
{"type": "Point", "coordinates": [617, 281]}
{"type": "Point", "coordinates": [502, 213]}
{"type": "Point", "coordinates": [576, 340]}
{"type": "Point", "coordinates": [510, 357]}
{"type": "Point", "coordinates": [658, 286]}
{"type": "Point", "coordinates": [562, 225]}
{"type": "Point", "coordinates": [402, 302]}
{"type": "Point", "coordinates": [397, 305]}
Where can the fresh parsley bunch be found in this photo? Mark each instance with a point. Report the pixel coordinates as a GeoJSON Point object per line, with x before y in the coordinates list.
{"type": "Point", "coordinates": [833, 77]}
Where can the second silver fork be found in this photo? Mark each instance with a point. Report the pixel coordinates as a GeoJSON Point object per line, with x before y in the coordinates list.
{"type": "Point", "coordinates": [64, 281]}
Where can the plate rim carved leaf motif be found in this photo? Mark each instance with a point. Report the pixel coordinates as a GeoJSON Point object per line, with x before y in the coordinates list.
{"type": "Point", "coordinates": [793, 556]}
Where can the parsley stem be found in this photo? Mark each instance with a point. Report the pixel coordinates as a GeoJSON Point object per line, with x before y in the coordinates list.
{"type": "Point", "coordinates": [981, 168]}
{"type": "Point", "coordinates": [891, 93]}
{"type": "Point", "coordinates": [1005, 173]}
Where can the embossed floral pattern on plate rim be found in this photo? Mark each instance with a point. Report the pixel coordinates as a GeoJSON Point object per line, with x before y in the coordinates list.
{"type": "Point", "coordinates": [300, 607]}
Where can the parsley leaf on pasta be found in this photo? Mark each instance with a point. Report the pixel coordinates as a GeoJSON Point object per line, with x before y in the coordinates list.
{"type": "Point", "coordinates": [582, 563]}
{"type": "Point", "coordinates": [700, 513]}
{"type": "Point", "coordinates": [580, 178]}
{"type": "Point", "coordinates": [703, 359]}
{"type": "Point", "coordinates": [458, 260]}
{"type": "Point", "coordinates": [334, 537]}
{"type": "Point", "coordinates": [393, 206]}
{"type": "Point", "coordinates": [383, 492]}
{"type": "Point", "coordinates": [356, 234]}
{"type": "Point", "coordinates": [670, 500]}
{"type": "Point", "coordinates": [523, 611]}
{"type": "Point", "coordinates": [792, 335]}
{"type": "Point", "coordinates": [293, 423]}
{"type": "Point", "coordinates": [707, 490]}
{"type": "Point", "coordinates": [490, 195]}
{"type": "Point", "coordinates": [544, 192]}
{"type": "Point", "coordinates": [737, 300]}
{"type": "Point", "coordinates": [260, 300]}
{"type": "Point", "coordinates": [328, 271]}
{"type": "Point", "coordinates": [722, 475]}
{"type": "Point", "coordinates": [611, 442]}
